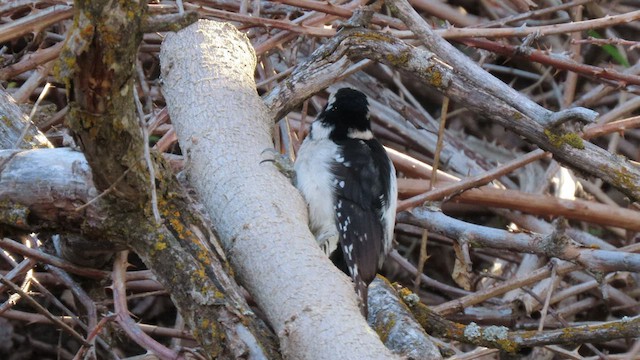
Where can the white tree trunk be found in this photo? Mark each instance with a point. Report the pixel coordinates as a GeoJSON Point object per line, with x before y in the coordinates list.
{"type": "Point", "coordinates": [223, 127]}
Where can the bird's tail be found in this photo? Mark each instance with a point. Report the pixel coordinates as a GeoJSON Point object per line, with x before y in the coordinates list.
{"type": "Point", "coordinates": [362, 290]}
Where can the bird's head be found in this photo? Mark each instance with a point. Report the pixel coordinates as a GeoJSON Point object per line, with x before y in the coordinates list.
{"type": "Point", "coordinates": [346, 116]}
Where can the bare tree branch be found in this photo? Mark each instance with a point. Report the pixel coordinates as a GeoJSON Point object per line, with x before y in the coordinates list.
{"type": "Point", "coordinates": [259, 215]}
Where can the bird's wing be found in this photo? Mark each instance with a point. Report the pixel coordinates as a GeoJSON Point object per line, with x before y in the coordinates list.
{"type": "Point", "coordinates": [360, 195]}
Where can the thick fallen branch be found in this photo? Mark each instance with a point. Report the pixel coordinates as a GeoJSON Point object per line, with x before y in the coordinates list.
{"type": "Point", "coordinates": [259, 216]}
{"type": "Point", "coordinates": [500, 337]}
{"type": "Point", "coordinates": [395, 323]}
{"type": "Point", "coordinates": [27, 204]}
{"type": "Point", "coordinates": [556, 244]}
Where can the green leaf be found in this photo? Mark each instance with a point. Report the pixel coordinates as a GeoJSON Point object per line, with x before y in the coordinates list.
{"type": "Point", "coordinates": [153, 139]}
{"type": "Point", "coordinates": [610, 49]}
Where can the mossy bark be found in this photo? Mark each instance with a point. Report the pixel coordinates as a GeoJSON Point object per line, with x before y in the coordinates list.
{"type": "Point", "coordinates": [98, 64]}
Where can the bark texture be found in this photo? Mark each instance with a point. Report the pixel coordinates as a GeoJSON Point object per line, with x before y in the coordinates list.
{"type": "Point", "coordinates": [223, 128]}
{"type": "Point", "coordinates": [17, 131]}
{"type": "Point", "coordinates": [147, 209]}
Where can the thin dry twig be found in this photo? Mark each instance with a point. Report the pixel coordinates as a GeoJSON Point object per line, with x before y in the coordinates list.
{"type": "Point", "coordinates": [42, 310]}
{"type": "Point", "coordinates": [472, 150]}
{"type": "Point", "coordinates": [571, 27]}
{"type": "Point", "coordinates": [475, 181]}
{"type": "Point", "coordinates": [122, 314]}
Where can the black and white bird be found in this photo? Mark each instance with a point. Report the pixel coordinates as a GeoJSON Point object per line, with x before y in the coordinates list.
{"type": "Point", "coordinates": [349, 184]}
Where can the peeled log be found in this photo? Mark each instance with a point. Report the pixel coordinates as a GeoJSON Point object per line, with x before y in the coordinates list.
{"type": "Point", "coordinates": [223, 127]}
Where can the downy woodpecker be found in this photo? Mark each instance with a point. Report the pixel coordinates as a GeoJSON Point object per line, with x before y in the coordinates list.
{"type": "Point", "coordinates": [349, 184]}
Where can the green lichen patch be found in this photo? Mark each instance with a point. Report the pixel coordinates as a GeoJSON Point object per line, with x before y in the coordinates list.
{"type": "Point", "coordinates": [623, 179]}
{"type": "Point", "coordinates": [435, 77]}
{"type": "Point", "coordinates": [558, 139]}
{"type": "Point", "coordinates": [14, 214]}
{"type": "Point", "coordinates": [373, 36]}
{"type": "Point", "coordinates": [398, 60]}
{"type": "Point", "coordinates": [384, 329]}
{"type": "Point", "coordinates": [77, 43]}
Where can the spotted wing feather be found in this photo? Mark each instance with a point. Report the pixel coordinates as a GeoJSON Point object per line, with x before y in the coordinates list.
{"type": "Point", "coordinates": [358, 220]}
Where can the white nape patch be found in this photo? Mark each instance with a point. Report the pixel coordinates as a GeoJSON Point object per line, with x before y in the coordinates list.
{"type": "Point", "coordinates": [339, 158]}
{"type": "Point", "coordinates": [341, 184]}
{"type": "Point", "coordinates": [316, 183]}
{"type": "Point", "coordinates": [331, 101]}
{"type": "Point", "coordinates": [320, 130]}
{"type": "Point", "coordinates": [362, 135]}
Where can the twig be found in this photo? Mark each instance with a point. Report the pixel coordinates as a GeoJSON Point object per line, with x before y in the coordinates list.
{"type": "Point", "coordinates": [147, 157]}
{"type": "Point", "coordinates": [615, 126]}
{"type": "Point", "coordinates": [436, 158]}
{"type": "Point", "coordinates": [554, 245]}
{"type": "Point", "coordinates": [447, 12]}
{"type": "Point", "coordinates": [557, 316]}
{"type": "Point", "coordinates": [546, 30]}
{"type": "Point", "coordinates": [38, 255]}
{"type": "Point", "coordinates": [102, 194]}
{"type": "Point", "coordinates": [14, 298]}
{"type": "Point", "coordinates": [86, 301]}
{"type": "Point", "coordinates": [34, 23]}
{"type": "Point", "coordinates": [615, 41]}
{"type": "Point", "coordinates": [574, 49]}
{"type": "Point", "coordinates": [307, 20]}
{"type": "Point", "coordinates": [606, 75]}
{"type": "Point", "coordinates": [344, 12]}
{"type": "Point", "coordinates": [534, 13]}
{"type": "Point", "coordinates": [169, 22]}
{"type": "Point", "coordinates": [31, 61]}
{"type": "Point", "coordinates": [500, 337]}
{"type": "Point", "coordinates": [122, 314]}
{"type": "Point", "coordinates": [33, 82]}
{"type": "Point", "coordinates": [545, 205]}
{"type": "Point", "coordinates": [475, 181]}
{"type": "Point", "coordinates": [42, 310]}
{"type": "Point", "coordinates": [421, 260]}
{"type": "Point", "coordinates": [170, 137]}
{"type": "Point", "coordinates": [91, 337]}
{"type": "Point", "coordinates": [41, 319]}
{"type": "Point", "coordinates": [264, 22]}
{"type": "Point", "coordinates": [33, 112]}
{"type": "Point", "coordinates": [18, 270]}
{"type": "Point", "coordinates": [547, 300]}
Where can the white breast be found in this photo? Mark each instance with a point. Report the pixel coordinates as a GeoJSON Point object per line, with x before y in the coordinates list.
{"type": "Point", "coordinates": [315, 181]}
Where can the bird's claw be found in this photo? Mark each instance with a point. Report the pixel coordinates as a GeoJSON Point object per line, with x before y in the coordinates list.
{"type": "Point", "coordinates": [282, 162]}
